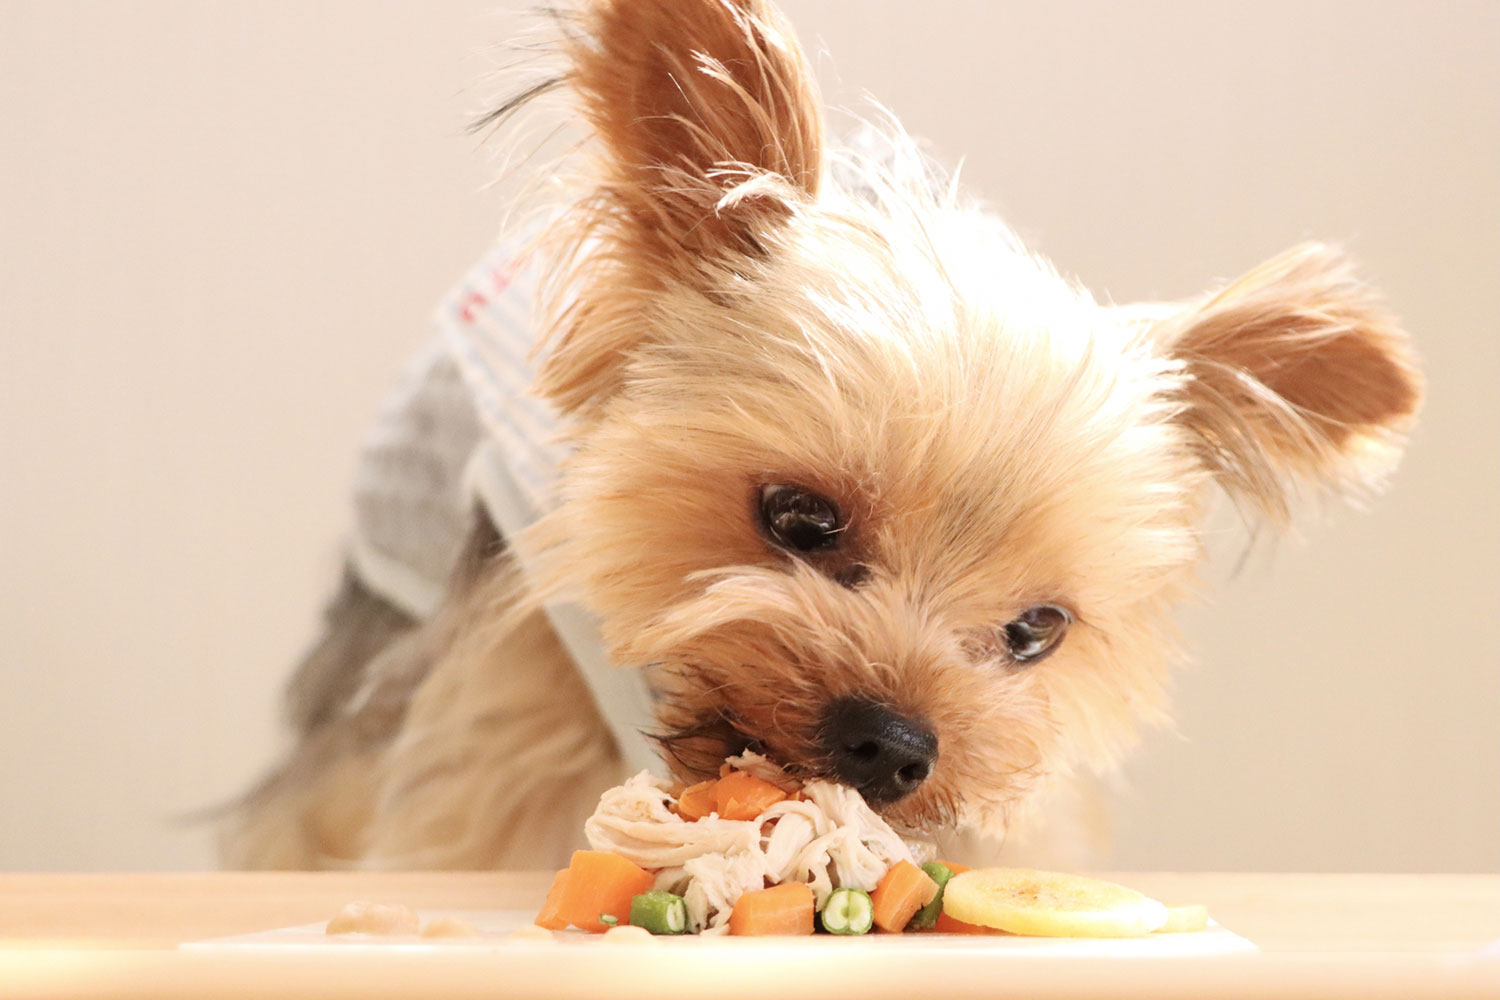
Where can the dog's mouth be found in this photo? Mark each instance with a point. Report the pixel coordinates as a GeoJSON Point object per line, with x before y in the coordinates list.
{"type": "Point", "coordinates": [697, 751]}
{"type": "Point", "coordinates": [700, 729]}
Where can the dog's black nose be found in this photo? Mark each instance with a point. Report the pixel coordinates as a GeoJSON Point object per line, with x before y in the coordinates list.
{"type": "Point", "coordinates": [882, 754]}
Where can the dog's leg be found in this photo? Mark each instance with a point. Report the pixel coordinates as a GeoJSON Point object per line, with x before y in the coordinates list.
{"type": "Point", "coordinates": [465, 741]}
{"type": "Point", "coordinates": [276, 825]}
{"type": "Point", "coordinates": [501, 755]}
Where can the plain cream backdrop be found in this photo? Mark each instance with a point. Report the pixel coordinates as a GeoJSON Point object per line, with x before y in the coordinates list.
{"type": "Point", "coordinates": [223, 227]}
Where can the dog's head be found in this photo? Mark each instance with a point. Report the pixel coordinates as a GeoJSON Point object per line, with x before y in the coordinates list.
{"type": "Point", "coordinates": [868, 486]}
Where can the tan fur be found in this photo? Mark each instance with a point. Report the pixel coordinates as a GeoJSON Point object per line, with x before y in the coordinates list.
{"type": "Point", "coordinates": [725, 312]}
{"type": "Point", "coordinates": [491, 757]}
{"type": "Point", "coordinates": [688, 102]}
{"type": "Point", "coordinates": [502, 756]}
{"type": "Point", "coordinates": [1297, 372]}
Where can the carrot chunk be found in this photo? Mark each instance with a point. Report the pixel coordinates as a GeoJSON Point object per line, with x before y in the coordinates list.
{"type": "Point", "coordinates": [744, 796]}
{"type": "Point", "coordinates": [697, 801]}
{"type": "Point", "coordinates": [781, 909]}
{"type": "Point", "coordinates": [600, 883]}
{"type": "Point", "coordinates": [952, 925]}
{"type": "Point", "coordinates": [903, 891]}
{"type": "Point", "coordinates": [551, 915]}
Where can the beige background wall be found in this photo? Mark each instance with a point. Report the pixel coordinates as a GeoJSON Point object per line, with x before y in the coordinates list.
{"type": "Point", "coordinates": [222, 228]}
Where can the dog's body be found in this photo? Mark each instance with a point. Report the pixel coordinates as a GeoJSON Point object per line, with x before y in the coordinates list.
{"type": "Point", "coordinates": [855, 480]}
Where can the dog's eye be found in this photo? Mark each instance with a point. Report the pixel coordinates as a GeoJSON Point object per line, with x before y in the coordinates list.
{"type": "Point", "coordinates": [797, 519]}
{"type": "Point", "coordinates": [1037, 632]}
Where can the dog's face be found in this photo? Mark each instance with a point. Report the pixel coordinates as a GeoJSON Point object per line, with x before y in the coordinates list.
{"type": "Point", "coordinates": [868, 487]}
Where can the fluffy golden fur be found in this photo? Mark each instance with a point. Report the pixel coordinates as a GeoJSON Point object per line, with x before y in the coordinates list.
{"type": "Point", "coordinates": [734, 304]}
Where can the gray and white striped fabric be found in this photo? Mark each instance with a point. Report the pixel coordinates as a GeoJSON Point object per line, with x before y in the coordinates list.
{"type": "Point", "coordinates": [462, 431]}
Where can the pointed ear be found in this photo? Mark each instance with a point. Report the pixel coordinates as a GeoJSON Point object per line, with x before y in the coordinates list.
{"type": "Point", "coordinates": [709, 135]}
{"type": "Point", "coordinates": [692, 98]}
{"type": "Point", "coordinates": [1295, 373]}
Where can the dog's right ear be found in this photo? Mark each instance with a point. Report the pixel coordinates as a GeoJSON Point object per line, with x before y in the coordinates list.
{"type": "Point", "coordinates": [1296, 375]}
{"type": "Point", "coordinates": [710, 137]}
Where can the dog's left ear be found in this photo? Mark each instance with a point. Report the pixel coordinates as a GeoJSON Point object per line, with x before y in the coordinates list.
{"type": "Point", "coordinates": [1295, 373]}
{"type": "Point", "coordinates": [710, 137]}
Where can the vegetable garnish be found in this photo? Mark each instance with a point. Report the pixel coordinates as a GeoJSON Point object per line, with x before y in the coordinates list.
{"type": "Point", "coordinates": [741, 795]}
{"type": "Point", "coordinates": [926, 918]}
{"type": "Point", "coordinates": [598, 883]}
{"type": "Point", "coordinates": [848, 911]}
{"type": "Point", "coordinates": [551, 916]}
{"type": "Point", "coordinates": [903, 891]}
{"type": "Point", "coordinates": [697, 801]}
{"type": "Point", "coordinates": [781, 909]}
{"type": "Point", "coordinates": [660, 912]}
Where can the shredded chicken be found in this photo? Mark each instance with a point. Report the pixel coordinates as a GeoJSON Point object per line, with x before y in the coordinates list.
{"type": "Point", "coordinates": [830, 839]}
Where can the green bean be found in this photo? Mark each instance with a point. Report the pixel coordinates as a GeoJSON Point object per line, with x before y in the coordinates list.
{"type": "Point", "coordinates": [660, 912]}
{"type": "Point", "coordinates": [848, 911]}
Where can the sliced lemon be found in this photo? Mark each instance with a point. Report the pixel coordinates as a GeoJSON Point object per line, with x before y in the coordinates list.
{"type": "Point", "coordinates": [1050, 904]}
{"type": "Point", "coordinates": [1184, 918]}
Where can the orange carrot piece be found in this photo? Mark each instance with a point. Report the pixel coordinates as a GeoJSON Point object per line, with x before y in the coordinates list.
{"type": "Point", "coordinates": [903, 891]}
{"type": "Point", "coordinates": [955, 867]}
{"type": "Point", "coordinates": [697, 801]}
{"type": "Point", "coordinates": [599, 883]}
{"type": "Point", "coordinates": [744, 796]}
{"type": "Point", "coordinates": [551, 915]}
{"type": "Point", "coordinates": [952, 925]}
{"type": "Point", "coordinates": [781, 909]}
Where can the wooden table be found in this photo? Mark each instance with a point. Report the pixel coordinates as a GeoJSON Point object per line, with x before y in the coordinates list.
{"type": "Point", "coordinates": [1367, 936]}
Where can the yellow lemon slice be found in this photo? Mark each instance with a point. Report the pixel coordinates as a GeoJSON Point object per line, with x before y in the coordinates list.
{"type": "Point", "coordinates": [1184, 918]}
{"type": "Point", "coordinates": [1050, 904]}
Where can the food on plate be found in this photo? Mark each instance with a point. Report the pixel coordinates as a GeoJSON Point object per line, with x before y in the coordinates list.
{"type": "Point", "coordinates": [374, 918]}
{"type": "Point", "coordinates": [1050, 904]}
{"type": "Point", "coordinates": [531, 932]}
{"type": "Point", "coordinates": [594, 893]}
{"type": "Point", "coordinates": [820, 834]}
{"type": "Point", "coordinates": [898, 896]}
{"type": "Point", "coordinates": [788, 908]}
{"type": "Point", "coordinates": [697, 801]}
{"type": "Point", "coordinates": [449, 927]}
{"type": "Point", "coordinates": [756, 852]}
{"type": "Point", "coordinates": [946, 923]}
{"type": "Point", "coordinates": [551, 916]}
{"type": "Point", "coordinates": [1181, 919]}
{"type": "Point", "coordinates": [817, 834]}
{"type": "Point", "coordinates": [741, 795]}
{"type": "Point", "coordinates": [659, 912]}
{"type": "Point", "coordinates": [848, 911]}
{"type": "Point", "coordinates": [925, 919]}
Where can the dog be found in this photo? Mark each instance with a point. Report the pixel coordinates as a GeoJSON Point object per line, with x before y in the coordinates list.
{"type": "Point", "coordinates": [831, 468]}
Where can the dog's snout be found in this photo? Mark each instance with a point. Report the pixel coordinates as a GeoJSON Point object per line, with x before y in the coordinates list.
{"type": "Point", "coordinates": [883, 754]}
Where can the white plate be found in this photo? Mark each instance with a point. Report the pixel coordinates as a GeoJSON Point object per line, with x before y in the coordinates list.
{"type": "Point", "coordinates": [496, 928]}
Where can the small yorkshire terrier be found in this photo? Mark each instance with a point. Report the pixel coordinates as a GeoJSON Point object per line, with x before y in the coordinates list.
{"type": "Point", "coordinates": [840, 473]}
